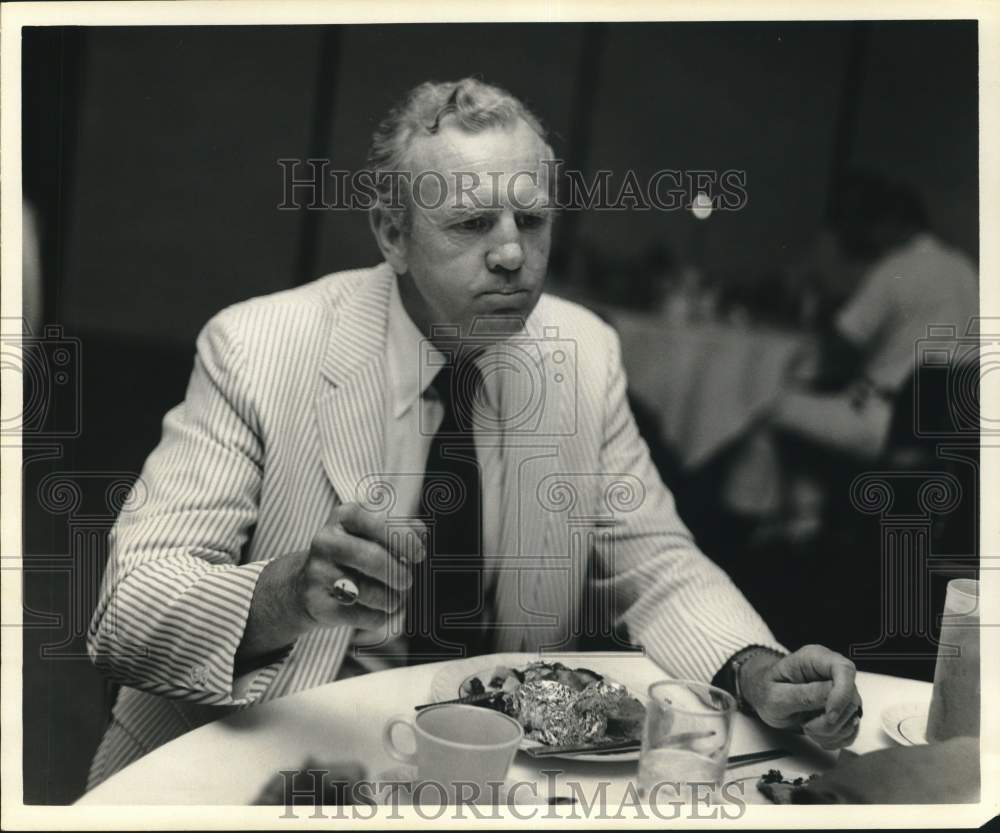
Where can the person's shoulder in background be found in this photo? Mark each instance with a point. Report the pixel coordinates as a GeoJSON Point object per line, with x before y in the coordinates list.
{"type": "Point", "coordinates": [925, 261]}
{"type": "Point", "coordinates": [924, 281]}
{"type": "Point", "coordinates": [930, 245]}
{"type": "Point", "coordinates": [931, 282]}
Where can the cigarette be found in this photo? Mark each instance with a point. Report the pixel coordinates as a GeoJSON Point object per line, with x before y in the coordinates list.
{"type": "Point", "coordinates": [345, 591]}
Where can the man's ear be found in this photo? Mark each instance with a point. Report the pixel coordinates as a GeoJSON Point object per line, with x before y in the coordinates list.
{"type": "Point", "coordinates": [391, 239]}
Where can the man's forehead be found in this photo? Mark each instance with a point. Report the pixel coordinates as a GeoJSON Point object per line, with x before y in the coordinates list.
{"type": "Point", "coordinates": [501, 151]}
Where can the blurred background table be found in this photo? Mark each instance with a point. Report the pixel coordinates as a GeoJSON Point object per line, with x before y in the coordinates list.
{"type": "Point", "coordinates": [708, 382]}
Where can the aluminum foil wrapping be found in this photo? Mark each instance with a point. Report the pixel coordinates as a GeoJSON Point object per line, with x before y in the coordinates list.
{"type": "Point", "coordinates": [548, 711]}
{"type": "Point", "coordinates": [540, 707]}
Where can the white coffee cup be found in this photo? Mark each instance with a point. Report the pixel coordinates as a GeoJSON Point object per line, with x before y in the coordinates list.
{"type": "Point", "coordinates": [457, 745]}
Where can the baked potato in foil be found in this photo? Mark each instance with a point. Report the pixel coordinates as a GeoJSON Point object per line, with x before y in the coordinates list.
{"type": "Point", "coordinates": [558, 705]}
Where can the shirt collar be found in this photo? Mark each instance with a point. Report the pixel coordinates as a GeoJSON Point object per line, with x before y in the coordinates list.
{"type": "Point", "coordinates": [412, 362]}
{"type": "Point", "coordinates": [409, 374]}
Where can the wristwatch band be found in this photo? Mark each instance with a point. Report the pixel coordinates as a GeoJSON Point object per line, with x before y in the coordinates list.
{"type": "Point", "coordinates": [728, 677]}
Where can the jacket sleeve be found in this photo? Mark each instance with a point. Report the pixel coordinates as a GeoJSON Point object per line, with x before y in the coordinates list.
{"type": "Point", "coordinates": [677, 604]}
{"type": "Point", "coordinates": [175, 597]}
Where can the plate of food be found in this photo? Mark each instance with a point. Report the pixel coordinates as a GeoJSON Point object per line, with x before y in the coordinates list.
{"type": "Point", "coordinates": [558, 704]}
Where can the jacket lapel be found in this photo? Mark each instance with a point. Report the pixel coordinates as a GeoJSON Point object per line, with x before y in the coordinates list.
{"type": "Point", "coordinates": [350, 419]}
{"type": "Point", "coordinates": [534, 401]}
{"type": "Point", "coordinates": [350, 406]}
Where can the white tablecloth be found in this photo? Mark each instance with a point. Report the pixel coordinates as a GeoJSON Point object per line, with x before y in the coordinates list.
{"type": "Point", "coordinates": [230, 760]}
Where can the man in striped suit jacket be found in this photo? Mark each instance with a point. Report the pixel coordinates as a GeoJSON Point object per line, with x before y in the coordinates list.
{"type": "Point", "coordinates": [270, 541]}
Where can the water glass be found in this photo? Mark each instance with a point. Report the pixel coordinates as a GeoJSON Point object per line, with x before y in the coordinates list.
{"type": "Point", "coordinates": [685, 741]}
{"type": "Point", "coordinates": [955, 705]}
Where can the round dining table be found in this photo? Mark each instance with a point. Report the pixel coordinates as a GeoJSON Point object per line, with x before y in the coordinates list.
{"type": "Point", "coordinates": [229, 761]}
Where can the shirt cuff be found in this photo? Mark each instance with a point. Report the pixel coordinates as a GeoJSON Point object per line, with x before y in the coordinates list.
{"type": "Point", "coordinates": [228, 593]}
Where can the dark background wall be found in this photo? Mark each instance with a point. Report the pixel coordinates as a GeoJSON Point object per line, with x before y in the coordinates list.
{"type": "Point", "coordinates": [151, 157]}
{"type": "Point", "coordinates": [171, 211]}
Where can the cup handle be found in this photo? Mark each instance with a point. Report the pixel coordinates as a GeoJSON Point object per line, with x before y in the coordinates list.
{"type": "Point", "coordinates": [390, 746]}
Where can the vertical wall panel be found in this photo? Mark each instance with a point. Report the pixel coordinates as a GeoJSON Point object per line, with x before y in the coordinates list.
{"type": "Point", "coordinates": [175, 206]}
{"type": "Point", "coordinates": [918, 119]}
{"type": "Point", "coordinates": [755, 97]}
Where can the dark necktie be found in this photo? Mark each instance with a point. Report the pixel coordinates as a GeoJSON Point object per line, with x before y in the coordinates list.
{"type": "Point", "coordinates": [448, 584]}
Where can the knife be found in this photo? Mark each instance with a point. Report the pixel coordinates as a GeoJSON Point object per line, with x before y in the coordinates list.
{"type": "Point", "coordinates": [755, 757]}
{"type": "Point", "coordinates": [634, 746]}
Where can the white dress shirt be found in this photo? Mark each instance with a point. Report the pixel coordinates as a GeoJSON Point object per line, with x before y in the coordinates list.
{"type": "Point", "coordinates": [413, 415]}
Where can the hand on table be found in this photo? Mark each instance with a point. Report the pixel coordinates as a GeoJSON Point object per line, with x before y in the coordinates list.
{"type": "Point", "coordinates": [812, 689]}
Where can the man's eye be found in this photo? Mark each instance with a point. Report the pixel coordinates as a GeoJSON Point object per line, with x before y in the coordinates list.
{"type": "Point", "coordinates": [475, 224]}
{"type": "Point", "coordinates": [530, 221]}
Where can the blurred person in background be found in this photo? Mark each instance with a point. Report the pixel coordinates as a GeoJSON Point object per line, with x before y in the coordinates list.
{"type": "Point", "coordinates": [887, 279]}
{"type": "Point", "coordinates": [896, 279]}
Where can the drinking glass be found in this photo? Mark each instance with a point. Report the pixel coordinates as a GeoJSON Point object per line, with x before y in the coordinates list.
{"type": "Point", "coordinates": [685, 741]}
{"type": "Point", "coordinates": [955, 707]}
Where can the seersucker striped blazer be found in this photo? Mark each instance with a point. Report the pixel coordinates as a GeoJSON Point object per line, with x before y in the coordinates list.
{"type": "Point", "coordinates": [283, 418]}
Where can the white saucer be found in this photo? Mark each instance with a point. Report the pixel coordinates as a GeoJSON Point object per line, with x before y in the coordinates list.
{"type": "Point", "coordinates": [906, 723]}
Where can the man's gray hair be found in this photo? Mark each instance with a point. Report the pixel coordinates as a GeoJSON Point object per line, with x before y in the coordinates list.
{"type": "Point", "coordinates": [474, 105]}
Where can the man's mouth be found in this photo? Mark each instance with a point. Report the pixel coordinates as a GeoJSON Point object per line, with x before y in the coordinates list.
{"type": "Point", "coordinates": [506, 293]}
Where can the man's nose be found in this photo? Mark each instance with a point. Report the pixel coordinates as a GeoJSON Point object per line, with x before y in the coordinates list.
{"type": "Point", "coordinates": [506, 253]}
{"type": "Point", "coordinates": [508, 256]}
